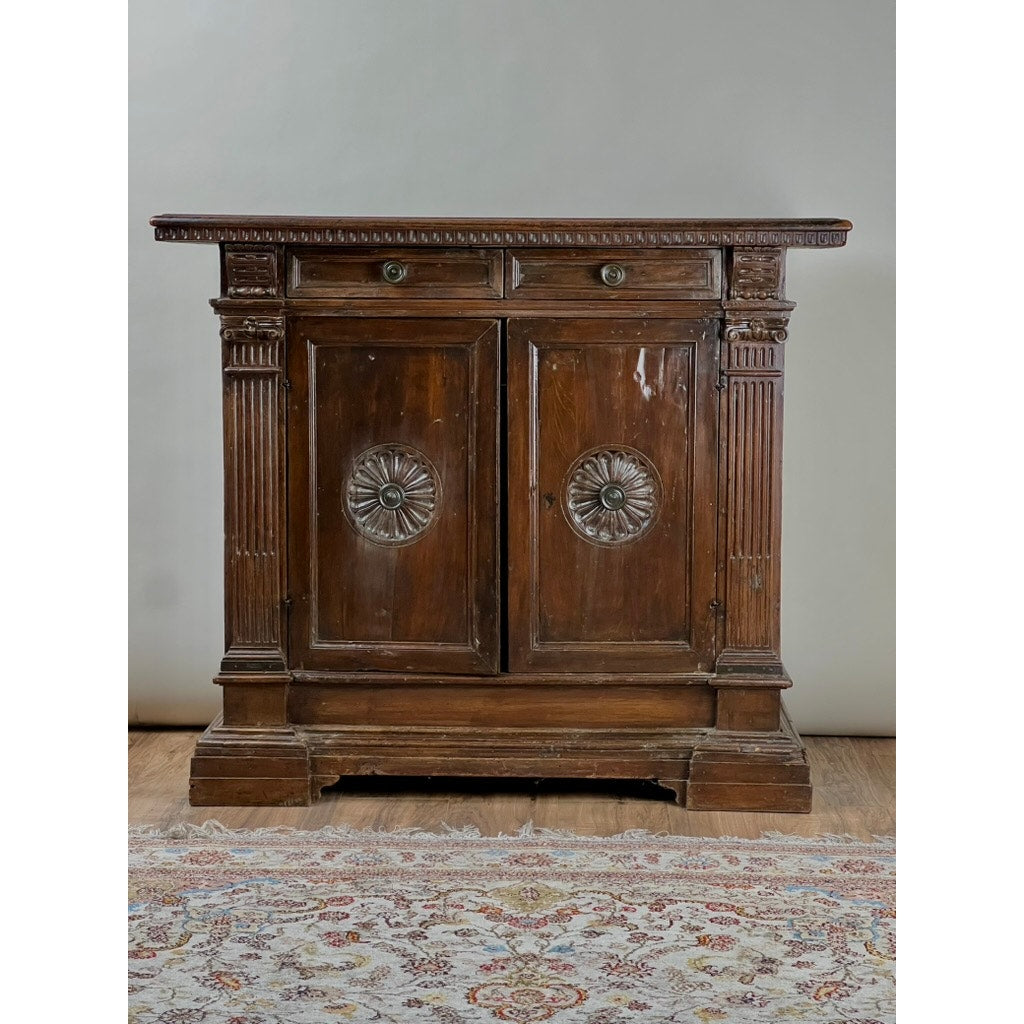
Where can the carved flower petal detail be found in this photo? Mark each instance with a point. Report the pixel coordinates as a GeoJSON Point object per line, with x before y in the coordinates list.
{"type": "Point", "coordinates": [611, 495]}
{"type": "Point", "coordinates": [392, 494]}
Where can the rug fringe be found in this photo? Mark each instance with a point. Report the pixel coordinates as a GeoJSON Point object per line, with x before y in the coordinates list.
{"type": "Point", "coordinates": [213, 829]}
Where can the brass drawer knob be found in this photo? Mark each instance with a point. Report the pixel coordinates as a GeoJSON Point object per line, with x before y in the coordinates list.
{"type": "Point", "coordinates": [394, 271]}
{"type": "Point", "coordinates": [613, 275]}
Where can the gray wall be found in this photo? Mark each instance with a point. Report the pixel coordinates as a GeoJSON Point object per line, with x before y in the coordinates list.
{"type": "Point", "coordinates": [527, 108]}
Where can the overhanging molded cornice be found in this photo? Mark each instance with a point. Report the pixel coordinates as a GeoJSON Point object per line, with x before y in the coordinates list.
{"type": "Point", "coordinates": [214, 228]}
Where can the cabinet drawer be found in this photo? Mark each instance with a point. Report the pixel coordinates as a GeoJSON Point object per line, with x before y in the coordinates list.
{"type": "Point", "coordinates": [379, 273]}
{"type": "Point", "coordinates": [612, 274]}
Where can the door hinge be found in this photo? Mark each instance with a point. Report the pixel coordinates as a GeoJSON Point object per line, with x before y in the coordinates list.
{"type": "Point", "coordinates": [287, 604]}
{"type": "Point", "coordinates": [286, 384]}
{"type": "Point", "coordinates": [723, 382]}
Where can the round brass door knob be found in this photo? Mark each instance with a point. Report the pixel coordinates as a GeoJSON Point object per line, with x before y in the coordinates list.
{"type": "Point", "coordinates": [394, 271]}
{"type": "Point", "coordinates": [612, 274]}
{"type": "Point", "coordinates": [392, 496]}
{"type": "Point", "coordinates": [612, 497]}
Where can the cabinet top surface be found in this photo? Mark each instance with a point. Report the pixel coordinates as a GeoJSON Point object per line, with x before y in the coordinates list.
{"type": "Point", "coordinates": [801, 233]}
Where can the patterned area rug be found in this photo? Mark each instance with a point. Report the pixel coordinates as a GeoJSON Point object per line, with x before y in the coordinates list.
{"type": "Point", "coordinates": [284, 927]}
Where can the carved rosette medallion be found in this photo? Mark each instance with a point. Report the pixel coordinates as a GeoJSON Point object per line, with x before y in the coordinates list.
{"type": "Point", "coordinates": [611, 496]}
{"type": "Point", "coordinates": [392, 494]}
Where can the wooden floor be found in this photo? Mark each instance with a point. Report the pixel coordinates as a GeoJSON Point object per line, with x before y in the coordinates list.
{"type": "Point", "coordinates": [854, 793]}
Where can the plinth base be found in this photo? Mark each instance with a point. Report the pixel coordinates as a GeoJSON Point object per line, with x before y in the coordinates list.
{"type": "Point", "coordinates": [706, 769]}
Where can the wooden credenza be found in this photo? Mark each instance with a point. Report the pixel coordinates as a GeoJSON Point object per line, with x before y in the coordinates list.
{"type": "Point", "coordinates": [502, 498]}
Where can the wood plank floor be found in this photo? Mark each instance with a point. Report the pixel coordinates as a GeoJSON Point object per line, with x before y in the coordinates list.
{"type": "Point", "coordinates": [854, 792]}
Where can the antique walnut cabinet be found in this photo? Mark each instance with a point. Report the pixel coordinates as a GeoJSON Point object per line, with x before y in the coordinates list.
{"type": "Point", "coordinates": [502, 498]}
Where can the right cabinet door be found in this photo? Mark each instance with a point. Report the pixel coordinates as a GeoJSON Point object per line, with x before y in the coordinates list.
{"type": "Point", "coordinates": [612, 494]}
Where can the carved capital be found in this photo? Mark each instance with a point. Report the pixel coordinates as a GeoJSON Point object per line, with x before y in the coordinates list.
{"type": "Point", "coordinates": [757, 328]}
{"type": "Point", "coordinates": [250, 271]}
{"type": "Point", "coordinates": [252, 328]}
{"type": "Point", "coordinates": [757, 274]}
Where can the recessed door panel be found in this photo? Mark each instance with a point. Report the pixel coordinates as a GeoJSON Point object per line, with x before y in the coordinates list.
{"type": "Point", "coordinates": [392, 477]}
{"type": "Point", "coordinates": [611, 494]}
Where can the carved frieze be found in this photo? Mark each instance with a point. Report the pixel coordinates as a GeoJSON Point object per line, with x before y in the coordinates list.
{"type": "Point", "coordinates": [363, 231]}
{"type": "Point", "coordinates": [757, 274]}
{"type": "Point", "coordinates": [250, 272]}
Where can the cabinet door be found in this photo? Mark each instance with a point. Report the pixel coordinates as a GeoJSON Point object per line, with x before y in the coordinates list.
{"type": "Point", "coordinates": [393, 494]}
{"type": "Point", "coordinates": [611, 494]}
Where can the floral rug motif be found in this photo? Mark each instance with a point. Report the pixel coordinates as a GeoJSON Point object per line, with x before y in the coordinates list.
{"type": "Point", "coordinates": [279, 926]}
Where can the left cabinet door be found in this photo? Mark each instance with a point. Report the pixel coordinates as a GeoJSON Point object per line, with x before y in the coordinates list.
{"type": "Point", "coordinates": [393, 494]}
